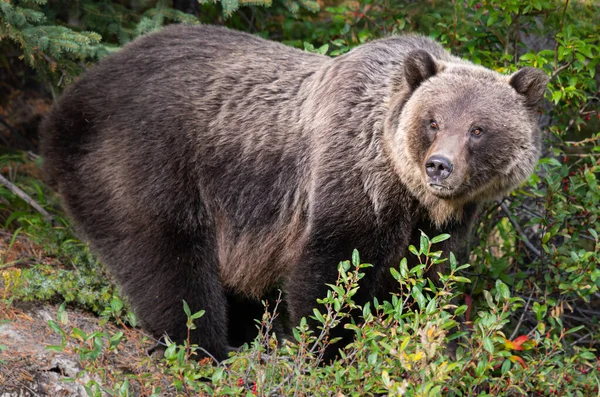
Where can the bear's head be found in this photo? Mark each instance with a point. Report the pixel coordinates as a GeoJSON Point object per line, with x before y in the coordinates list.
{"type": "Point", "coordinates": [462, 133]}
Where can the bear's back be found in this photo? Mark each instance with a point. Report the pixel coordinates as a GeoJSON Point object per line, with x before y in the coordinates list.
{"type": "Point", "coordinates": [188, 123]}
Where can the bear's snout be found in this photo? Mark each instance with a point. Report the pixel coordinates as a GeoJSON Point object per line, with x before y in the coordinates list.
{"type": "Point", "coordinates": [438, 167]}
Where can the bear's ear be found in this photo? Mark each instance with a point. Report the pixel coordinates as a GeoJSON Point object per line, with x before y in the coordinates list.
{"type": "Point", "coordinates": [531, 83]}
{"type": "Point", "coordinates": [419, 65]}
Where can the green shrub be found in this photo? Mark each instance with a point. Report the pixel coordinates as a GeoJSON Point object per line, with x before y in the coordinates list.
{"type": "Point", "coordinates": [403, 346]}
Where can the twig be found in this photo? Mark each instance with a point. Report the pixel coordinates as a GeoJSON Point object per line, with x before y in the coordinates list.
{"type": "Point", "coordinates": [588, 311]}
{"type": "Point", "coordinates": [28, 388]}
{"type": "Point", "coordinates": [583, 338]}
{"type": "Point", "coordinates": [10, 129]}
{"type": "Point", "coordinates": [584, 141]}
{"type": "Point", "coordinates": [516, 29]}
{"type": "Point", "coordinates": [249, 21]}
{"type": "Point", "coordinates": [32, 156]}
{"type": "Point", "coordinates": [25, 197]}
{"type": "Point", "coordinates": [578, 319]}
{"type": "Point", "coordinates": [560, 69]}
{"type": "Point", "coordinates": [518, 228]}
{"type": "Point", "coordinates": [512, 336]}
{"type": "Point", "coordinates": [53, 61]}
{"type": "Point", "coordinates": [203, 350]}
{"type": "Point", "coordinates": [581, 111]}
{"type": "Point", "coordinates": [562, 22]}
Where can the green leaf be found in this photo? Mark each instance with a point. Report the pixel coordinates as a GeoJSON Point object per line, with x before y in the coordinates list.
{"type": "Point", "coordinates": [488, 345]}
{"type": "Point", "coordinates": [186, 309]}
{"type": "Point", "coordinates": [404, 268]}
{"type": "Point", "coordinates": [505, 367]}
{"type": "Point", "coordinates": [367, 310]}
{"type": "Point", "coordinates": [502, 290]}
{"type": "Point", "coordinates": [355, 258]}
{"type": "Point", "coordinates": [423, 244]}
{"type": "Point", "coordinates": [492, 19]}
{"type": "Point", "coordinates": [546, 237]}
{"type": "Point", "coordinates": [528, 57]}
{"type": "Point", "coordinates": [79, 334]}
{"type": "Point", "coordinates": [217, 375]}
{"type": "Point", "coordinates": [574, 329]}
{"type": "Point", "coordinates": [489, 299]}
{"type": "Point", "coordinates": [587, 356]}
{"type": "Point", "coordinates": [431, 307]}
{"type": "Point", "coordinates": [55, 348]}
{"type": "Point", "coordinates": [318, 316]}
{"type": "Point", "coordinates": [61, 315]}
{"type": "Point", "coordinates": [395, 274]}
{"type": "Point", "coordinates": [452, 262]}
{"type": "Point", "coordinates": [116, 305]}
{"type": "Point", "coordinates": [440, 238]}
{"type": "Point", "coordinates": [419, 297]}
{"type": "Point", "coordinates": [413, 250]}
{"type": "Point", "coordinates": [115, 340]}
{"type": "Point", "coordinates": [197, 315]}
{"type": "Point", "coordinates": [56, 328]}
{"type": "Point", "coordinates": [461, 310]}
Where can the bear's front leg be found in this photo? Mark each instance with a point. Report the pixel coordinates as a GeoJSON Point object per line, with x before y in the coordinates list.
{"type": "Point", "coordinates": [308, 282]}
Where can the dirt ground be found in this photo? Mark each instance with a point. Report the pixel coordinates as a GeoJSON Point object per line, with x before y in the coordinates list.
{"type": "Point", "coordinates": [29, 368]}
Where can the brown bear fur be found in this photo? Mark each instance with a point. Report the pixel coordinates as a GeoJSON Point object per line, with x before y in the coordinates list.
{"type": "Point", "coordinates": [201, 162]}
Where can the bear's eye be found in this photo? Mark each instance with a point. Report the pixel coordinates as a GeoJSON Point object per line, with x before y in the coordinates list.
{"type": "Point", "coordinates": [477, 131]}
{"type": "Point", "coordinates": [433, 124]}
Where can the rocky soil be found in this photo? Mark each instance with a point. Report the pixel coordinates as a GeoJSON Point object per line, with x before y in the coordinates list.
{"type": "Point", "coordinates": [29, 368]}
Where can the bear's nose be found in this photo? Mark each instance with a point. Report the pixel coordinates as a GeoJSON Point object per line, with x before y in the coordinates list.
{"type": "Point", "coordinates": [438, 167]}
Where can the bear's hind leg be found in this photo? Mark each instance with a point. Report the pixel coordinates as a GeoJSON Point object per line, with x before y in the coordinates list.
{"type": "Point", "coordinates": [162, 266]}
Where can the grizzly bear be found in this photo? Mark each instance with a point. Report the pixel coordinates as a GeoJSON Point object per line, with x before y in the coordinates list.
{"type": "Point", "coordinates": [201, 162]}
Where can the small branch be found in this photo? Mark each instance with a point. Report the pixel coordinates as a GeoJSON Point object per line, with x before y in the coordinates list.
{"type": "Point", "coordinates": [9, 128]}
{"type": "Point", "coordinates": [592, 139]}
{"type": "Point", "coordinates": [560, 69]}
{"type": "Point", "coordinates": [562, 22]}
{"type": "Point", "coordinates": [53, 61]}
{"type": "Point", "coordinates": [249, 21]}
{"type": "Point", "coordinates": [500, 39]}
{"type": "Point", "coordinates": [581, 111]}
{"type": "Point", "coordinates": [516, 30]}
{"type": "Point", "coordinates": [203, 350]}
{"type": "Point", "coordinates": [512, 336]}
{"type": "Point", "coordinates": [524, 238]}
{"type": "Point", "coordinates": [25, 197]}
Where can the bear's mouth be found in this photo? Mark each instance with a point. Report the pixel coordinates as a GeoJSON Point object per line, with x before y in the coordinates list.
{"type": "Point", "coordinates": [437, 186]}
{"type": "Point", "coordinates": [442, 191]}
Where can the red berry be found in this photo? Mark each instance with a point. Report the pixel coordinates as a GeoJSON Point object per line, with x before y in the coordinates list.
{"type": "Point", "coordinates": [240, 382]}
